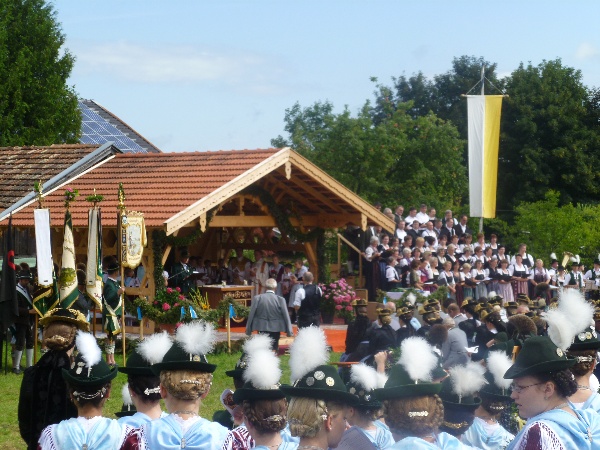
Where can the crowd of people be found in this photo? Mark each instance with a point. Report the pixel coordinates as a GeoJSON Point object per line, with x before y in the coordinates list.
{"type": "Point", "coordinates": [425, 252]}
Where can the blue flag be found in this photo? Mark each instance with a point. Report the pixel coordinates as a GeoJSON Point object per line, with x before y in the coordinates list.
{"type": "Point", "coordinates": [231, 311]}
{"type": "Point", "coordinates": [193, 314]}
{"type": "Point", "coordinates": [139, 313]}
{"type": "Point", "coordinates": [182, 312]}
{"type": "Point", "coordinates": [384, 300]}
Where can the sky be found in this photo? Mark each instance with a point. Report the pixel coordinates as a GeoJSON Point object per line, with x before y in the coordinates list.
{"type": "Point", "coordinates": [218, 75]}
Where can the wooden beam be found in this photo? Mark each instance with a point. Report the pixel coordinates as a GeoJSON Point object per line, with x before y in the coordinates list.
{"type": "Point", "coordinates": [312, 191]}
{"type": "Point", "coordinates": [312, 259]}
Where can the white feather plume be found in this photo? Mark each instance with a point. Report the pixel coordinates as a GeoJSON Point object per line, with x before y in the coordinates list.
{"type": "Point", "coordinates": [492, 294]}
{"type": "Point", "coordinates": [154, 347]}
{"type": "Point", "coordinates": [196, 338]}
{"type": "Point", "coordinates": [598, 257]}
{"type": "Point", "coordinates": [263, 369]}
{"type": "Point", "coordinates": [381, 380]}
{"type": "Point", "coordinates": [364, 376]}
{"type": "Point", "coordinates": [417, 358]}
{"type": "Point", "coordinates": [577, 259]}
{"type": "Point", "coordinates": [256, 342]}
{"type": "Point", "coordinates": [88, 348]}
{"type": "Point", "coordinates": [308, 351]}
{"type": "Point", "coordinates": [467, 379]}
{"type": "Point", "coordinates": [498, 363]}
{"type": "Point", "coordinates": [127, 401]}
{"type": "Point", "coordinates": [411, 298]}
{"type": "Point", "coordinates": [572, 316]}
{"type": "Point", "coordinates": [553, 256]}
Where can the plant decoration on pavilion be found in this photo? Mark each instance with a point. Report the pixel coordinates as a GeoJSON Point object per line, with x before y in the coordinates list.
{"type": "Point", "coordinates": [170, 306]}
{"type": "Point", "coordinates": [70, 196]}
{"type": "Point", "coordinates": [337, 298]}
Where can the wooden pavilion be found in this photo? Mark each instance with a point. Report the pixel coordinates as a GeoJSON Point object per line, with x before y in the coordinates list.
{"type": "Point", "coordinates": [228, 199]}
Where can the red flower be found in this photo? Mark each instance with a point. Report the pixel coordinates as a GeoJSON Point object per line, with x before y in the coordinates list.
{"type": "Point", "coordinates": [175, 305]}
{"type": "Point", "coordinates": [181, 297]}
{"type": "Point", "coordinates": [178, 289]}
{"type": "Point", "coordinates": [338, 307]}
{"type": "Point", "coordinates": [169, 291]}
{"type": "Point", "coordinates": [166, 307]}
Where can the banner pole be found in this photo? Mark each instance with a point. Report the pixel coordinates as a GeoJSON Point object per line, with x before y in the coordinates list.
{"type": "Point", "coordinates": [228, 331]}
{"type": "Point", "coordinates": [35, 338]}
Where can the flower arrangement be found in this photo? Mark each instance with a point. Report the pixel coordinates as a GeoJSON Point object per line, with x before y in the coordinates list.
{"type": "Point", "coordinates": [338, 297]}
{"type": "Point", "coordinates": [170, 306]}
{"type": "Point", "coordinates": [70, 196]}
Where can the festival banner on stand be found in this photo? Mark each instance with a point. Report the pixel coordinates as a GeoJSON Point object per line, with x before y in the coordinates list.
{"type": "Point", "coordinates": [68, 275]}
{"type": "Point", "coordinates": [484, 138]}
{"type": "Point", "coordinates": [45, 296]}
{"type": "Point", "coordinates": [94, 257]}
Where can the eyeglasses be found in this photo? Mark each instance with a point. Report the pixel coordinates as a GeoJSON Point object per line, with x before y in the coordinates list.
{"type": "Point", "coordinates": [518, 389]}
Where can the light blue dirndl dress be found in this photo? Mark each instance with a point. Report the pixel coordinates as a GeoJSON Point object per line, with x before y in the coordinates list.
{"type": "Point", "coordinates": [99, 433]}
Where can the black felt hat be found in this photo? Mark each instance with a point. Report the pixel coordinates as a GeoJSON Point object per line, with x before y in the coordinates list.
{"type": "Point", "coordinates": [178, 359]}
{"type": "Point", "coordinates": [249, 392]}
{"type": "Point", "coordinates": [126, 411]}
{"type": "Point", "coordinates": [137, 365]}
{"type": "Point", "coordinates": [400, 384]}
{"type": "Point", "coordinates": [322, 383]}
{"type": "Point", "coordinates": [240, 367]}
{"type": "Point", "coordinates": [24, 275]}
{"type": "Point", "coordinates": [150, 350]}
{"type": "Point", "coordinates": [586, 340]}
{"type": "Point", "coordinates": [71, 316]}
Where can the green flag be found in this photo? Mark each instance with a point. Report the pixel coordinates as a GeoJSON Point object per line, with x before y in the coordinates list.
{"type": "Point", "coordinates": [68, 275]}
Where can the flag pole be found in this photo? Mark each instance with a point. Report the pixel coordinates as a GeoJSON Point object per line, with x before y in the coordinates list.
{"type": "Point", "coordinates": [121, 209]}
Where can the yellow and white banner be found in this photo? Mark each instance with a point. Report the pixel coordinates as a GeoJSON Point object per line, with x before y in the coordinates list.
{"type": "Point", "coordinates": [132, 238]}
{"type": "Point", "coordinates": [484, 138]}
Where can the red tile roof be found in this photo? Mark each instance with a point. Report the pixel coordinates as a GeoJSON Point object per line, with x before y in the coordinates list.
{"type": "Point", "coordinates": [158, 184]}
{"type": "Point", "coordinates": [22, 166]}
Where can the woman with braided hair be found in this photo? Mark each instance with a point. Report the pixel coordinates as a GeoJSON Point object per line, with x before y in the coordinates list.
{"type": "Point", "coordinates": [317, 409]}
{"type": "Point", "coordinates": [585, 352]}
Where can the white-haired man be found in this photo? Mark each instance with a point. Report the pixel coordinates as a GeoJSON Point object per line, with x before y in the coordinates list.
{"type": "Point", "coordinates": [269, 315]}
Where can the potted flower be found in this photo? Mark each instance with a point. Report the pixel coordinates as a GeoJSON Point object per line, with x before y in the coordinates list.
{"type": "Point", "coordinates": [337, 299]}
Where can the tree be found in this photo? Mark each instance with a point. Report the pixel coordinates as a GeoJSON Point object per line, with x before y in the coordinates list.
{"type": "Point", "coordinates": [550, 137]}
{"type": "Point", "coordinates": [546, 227]}
{"type": "Point", "coordinates": [37, 107]}
{"type": "Point", "coordinates": [401, 158]}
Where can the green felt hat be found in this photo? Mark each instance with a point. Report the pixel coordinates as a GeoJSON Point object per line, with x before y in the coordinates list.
{"type": "Point", "coordinates": [83, 376]}
{"type": "Point", "coordinates": [400, 384]}
{"type": "Point", "coordinates": [192, 341]}
{"type": "Point", "coordinates": [586, 340]}
{"type": "Point", "coordinates": [126, 411]}
{"type": "Point", "coordinates": [249, 392]}
{"type": "Point", "coordinates": [240, 367]}
{"type": "Point", "coordinates": [71, 316]}
{"type": "Point", "coordinates": [323, 383]}
{"type": "Point", "coordinates": [493, 392]}
{"type": "Point", "coordinates": [538, 355]}
{"type": "Point", "coordinates": [137, 365]}
{"type": "Point", "coordinates": [451, 399]}
{"type": "Point", "coordinates": [178, 359]}
{"type": "Point", "coordinates": [366, 398]}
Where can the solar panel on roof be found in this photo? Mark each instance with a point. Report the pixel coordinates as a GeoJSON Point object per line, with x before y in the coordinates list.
{"type": "Point", "coordinates": [97, 130]}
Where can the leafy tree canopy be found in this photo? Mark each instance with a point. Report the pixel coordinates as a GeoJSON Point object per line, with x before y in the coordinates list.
{"type": "Point", "coordinates": [37, 107]}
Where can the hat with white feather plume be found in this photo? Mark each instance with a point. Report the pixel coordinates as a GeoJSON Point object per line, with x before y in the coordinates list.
{"type": "Point", "coordinates": [363, 381]}
{"type": "Point", "coordinates": [255, 342]}
{"type": "Point", "coordinates": [88, 368]}
{"type": "Point", "coordinates": [149, 351]}
{"type": "Point", "coordinates": [193, 341]}
{"type": "Point", "coordinates": [412, 375]}
{"type": "Point", "coordinates": [497, 388]}
{"type": "Point", "coordinates": [542, 354]}
{"type": "Point", "coordinates": [262, 372]}
{"type": "Point", "coordinates": [128, 408]}
{"type": "Point", "coordinates": [312, 377]}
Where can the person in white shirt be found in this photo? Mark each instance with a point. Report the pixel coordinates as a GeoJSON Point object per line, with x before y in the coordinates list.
{"type": "Point", "coordinates": [422, 215]}
{"type": "Point", "coordinates": [575, 278]}
{"type": "Point", "coordinates": [412, 216]}
{"type": "Point", "coordinates": [401, 230]}
{"type": "Point", "coordinates": [429, 231]}
{"type": "Point", "coordinates": [527, 259]}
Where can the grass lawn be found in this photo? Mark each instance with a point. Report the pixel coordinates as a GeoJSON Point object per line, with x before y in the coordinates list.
{"type": "Point", "coordinates": [11, 383]}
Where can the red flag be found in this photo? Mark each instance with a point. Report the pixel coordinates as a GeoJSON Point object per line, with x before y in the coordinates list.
{"type": "Point", "coordinates": [8, 290]}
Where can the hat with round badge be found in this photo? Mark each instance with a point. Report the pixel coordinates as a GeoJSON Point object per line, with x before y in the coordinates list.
{"type": "Point", "coordinates": [540, 354]}
{"type": "Point", "coordinates": [88, 369]}
{"type": "Point", "coordinates": [71, 316]}
{"type": "Point", "coordinates": [311, 375]}
{"type": "Point", "coordinates": [262, 372]}
{"type": "Point", "coordinates": [148, 352]}
{"type": "Point", "coordinates": [192, 341]}
{"type": "Point", "coordinates": [412, 375]}
{"type": "Point", "coordinates": [363, 381]}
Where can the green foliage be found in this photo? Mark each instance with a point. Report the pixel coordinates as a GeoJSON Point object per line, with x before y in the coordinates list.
{"type": "Point", "coordinates": [37, 107]}
{"type": "Point", "coordinates": [550, 227]}
{"type": "Point", "coordinates": [549, 137]}
{"type": "Point", "coordinates": [378, 160]}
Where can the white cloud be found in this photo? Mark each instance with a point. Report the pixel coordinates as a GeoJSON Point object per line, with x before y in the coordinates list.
{"type": "Point", "coordinates": [178, 64]}
{"type": "Point", "coordinates": [587, 50]}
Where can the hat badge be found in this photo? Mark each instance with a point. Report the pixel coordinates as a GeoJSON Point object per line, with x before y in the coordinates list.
{"type": "Point", "coordinates": [329, 381]}
{"type": "Point", "coordinates": [559, 352]}
{"type": "Point", "coordinates": [310, 381]}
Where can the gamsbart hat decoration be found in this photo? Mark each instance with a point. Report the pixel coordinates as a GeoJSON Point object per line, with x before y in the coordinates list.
{"type": "Point", "coordinates": [88, 369]}
{"type": "Point", "coordinates": [71, 316]}
{"type": "Point", "coordinates": [311, 376]}
{"type": "Point", "coordinates": [363, 381]}
{"type": "Point", "coordinates": [412, 375]}
{"type": "Point", "coordinates": [497, 388]}
{"type": "Point", "coordinates": [148, 352]}
{"type": "Point", "coordinates": [262, 372]}
{"type": "Point", "coordinates": [541, 354]}
{"type": "Point", "coordinates": [128, 408]}
{"type": "Point", "coordinates": [192, 342]}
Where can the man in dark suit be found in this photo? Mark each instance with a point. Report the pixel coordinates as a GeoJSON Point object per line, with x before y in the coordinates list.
{"type": "Point", "coordinates": [269, 315]}
{"type": "Point", "coordinates": [181, 273]}
{"type": "Point", "coordinates": [461, 229]}
{"type": "Point", "coordinates": [448, 229]}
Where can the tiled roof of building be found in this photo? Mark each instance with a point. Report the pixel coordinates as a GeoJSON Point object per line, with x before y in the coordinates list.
{"type": "Point", "coordinates": [158, 184]}
{"type": "Point", "coordinates": [99, 126]}
{"type": "Point", "coordinates": [22, 166]}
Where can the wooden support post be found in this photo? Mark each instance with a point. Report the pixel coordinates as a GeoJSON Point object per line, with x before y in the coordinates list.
{"type": "Point", "coordinates": [123, 315]}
